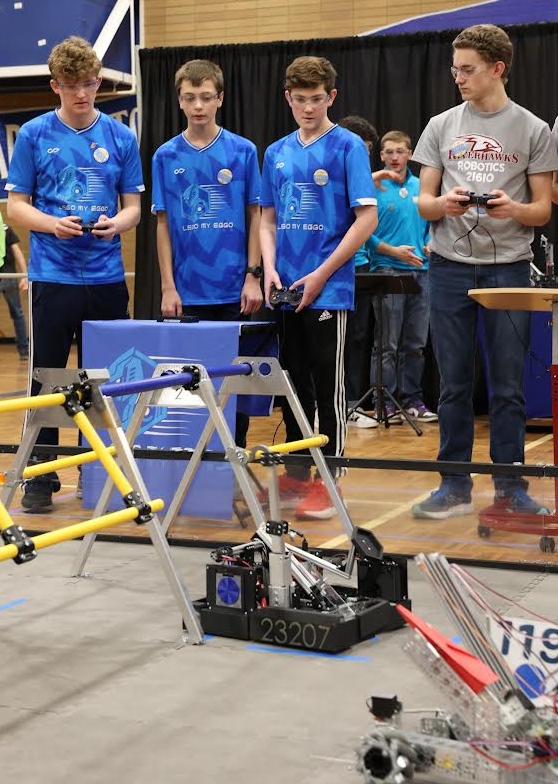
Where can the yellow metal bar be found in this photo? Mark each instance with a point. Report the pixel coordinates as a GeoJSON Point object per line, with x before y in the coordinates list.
{"type": "Point", "coordinates": [5, 519]}
{"type": "Point", "coordinates": [80, 529]}
{"type": "Point", "coordinates": [38, 401]}
{"type": "Point", "coordinates": [103, 452]}
{"type": "Point", "coordinates": [295, 446]}
{"type": "Point", "coordinates": [63, 462]}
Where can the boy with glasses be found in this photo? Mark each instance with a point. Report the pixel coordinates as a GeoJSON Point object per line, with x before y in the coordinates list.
{"type": "Point", "coordinates": [72, 167]}
{"type": "Point", "coordinates": [488, 144]}
{"type": "Point", "coordinates": [318, 207]}
{"type": "Point", "coordinates": [206, 189]}
{"type": "Point", "coordinates": [399, 245]}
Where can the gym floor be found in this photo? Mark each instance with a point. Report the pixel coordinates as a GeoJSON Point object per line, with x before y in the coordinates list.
{"type": "Point", "coordinates": [98, 687]}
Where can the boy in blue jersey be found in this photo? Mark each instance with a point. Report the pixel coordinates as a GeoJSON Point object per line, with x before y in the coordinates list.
{"type": "Point", "coordinates": [399, 244]}
{"type": "Point", "coordinates": [70, 167]}
{"type": "Point", "coordinates": [206, 188]}
{"type": "Point", "coordinates": [318, 207]}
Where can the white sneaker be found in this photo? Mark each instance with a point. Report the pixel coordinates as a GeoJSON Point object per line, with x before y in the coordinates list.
{"type": "Point", "coordinates": [421, 413]}
{"type": "Point", "coordinates": [358, 418]}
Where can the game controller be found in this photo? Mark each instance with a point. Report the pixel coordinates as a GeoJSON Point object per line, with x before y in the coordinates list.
{"type": "Point", "coordinates": [284, 296]}
{"type": "Point", "coordinates": [87, 228]}
{"type": "Point", "coordinates": [481, 200]}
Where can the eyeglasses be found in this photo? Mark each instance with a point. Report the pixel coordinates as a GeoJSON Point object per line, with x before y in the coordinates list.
{"type": "Point", "coordinates": [466, 70]}
{"type": "Point", "coordinates": [73, 89]}
{"type": "Point", "coordinates": [314, 100]}
{"type": "Point", "coordinates": [190, 100]}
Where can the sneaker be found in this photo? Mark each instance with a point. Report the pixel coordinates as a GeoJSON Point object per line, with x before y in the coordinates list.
{"type": "Point", "coordinates": [358, 418]}
{"type": "Point", "coordinates": [291, 492]}
{"type": "Point", "coordinates": [316, 505]}
{"type": "Point", "coordinates": [393, 415]}
{"type": "Point", "coordinates": [519, 501]}
{"type": "Point", "coordinates": [24, 356]}
{"type": "Point", "coordinates": [443, 503]}
{"type": "Point", "coordinates": [421, 413]}
{"type": "Point", "coordinates": [37, 493]}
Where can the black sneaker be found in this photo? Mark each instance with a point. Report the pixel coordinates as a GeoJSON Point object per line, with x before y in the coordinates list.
{"type": "Point", "coordinates": [37, 493]}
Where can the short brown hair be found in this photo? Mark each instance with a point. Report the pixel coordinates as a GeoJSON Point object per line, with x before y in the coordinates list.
{"type": "Point", "coordinates": [73, 59]}
{"type": "Point", "coordinates": [491, 42]}
{"type": "Point", "coordinates": [197, 71]}
{"type": "Point", "coordinates": [310, 72]}
{"type": "Point", "coordinates": [395, 136]}
{"type": "Point", "coordinates": [360, 126]}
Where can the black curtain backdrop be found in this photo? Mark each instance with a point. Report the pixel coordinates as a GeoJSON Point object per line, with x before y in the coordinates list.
{"type": "Point", "coordinates": [395, 81]}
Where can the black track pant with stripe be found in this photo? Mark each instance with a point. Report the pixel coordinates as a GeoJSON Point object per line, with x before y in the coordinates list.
{"type": "Point", "coordinates": [311, 349]}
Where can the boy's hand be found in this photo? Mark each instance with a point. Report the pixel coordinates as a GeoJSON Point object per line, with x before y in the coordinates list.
{"type": "Point", "coordinates": [251, 297]}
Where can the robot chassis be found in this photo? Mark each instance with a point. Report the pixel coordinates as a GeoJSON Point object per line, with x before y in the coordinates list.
{"type": "Point", "coordinates": [494, 735]}
{"type": "Point", "coordinates": [268, 589]}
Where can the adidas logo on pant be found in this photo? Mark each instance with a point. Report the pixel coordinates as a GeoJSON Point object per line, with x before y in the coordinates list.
{"type": "Point", "coordinates": [325, 315]}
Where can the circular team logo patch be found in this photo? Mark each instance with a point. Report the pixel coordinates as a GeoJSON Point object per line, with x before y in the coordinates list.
{"type": "Point", "coordinates": [101, 155]}
{"type": "Point", "coordinates": [224, 176]}
{"type": "Point", "coordinates": [321, 177]}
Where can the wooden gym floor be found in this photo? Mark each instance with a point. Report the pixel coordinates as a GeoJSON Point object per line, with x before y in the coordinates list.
{"type": "Point", "coordinates": [379, 500]}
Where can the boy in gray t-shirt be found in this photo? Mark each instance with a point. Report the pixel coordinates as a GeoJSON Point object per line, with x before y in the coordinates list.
{"type": "Point", "coordinates": [488, 145]}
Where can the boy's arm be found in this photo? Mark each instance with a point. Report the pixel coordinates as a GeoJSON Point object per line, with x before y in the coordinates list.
{"type": "Point", "coordinates": [555, 187]}
{"type": "Point", "coordinates": [171, 304]}
{"type": "Point", "coordinates": [20, 265]}
{"type": "Point", "coordinates": [268, 241]}
{"type": "Point", "coordinates": [251, 297]}
{"type": "Point", "coordinates": [362, 228]}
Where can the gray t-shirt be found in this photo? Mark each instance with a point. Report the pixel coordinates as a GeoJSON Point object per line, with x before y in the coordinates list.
{"type": "Point", "coordinates": [482, 152]}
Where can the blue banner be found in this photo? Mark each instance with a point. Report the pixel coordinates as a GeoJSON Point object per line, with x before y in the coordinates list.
{"type": "Point", "coordinates": [123, 109]}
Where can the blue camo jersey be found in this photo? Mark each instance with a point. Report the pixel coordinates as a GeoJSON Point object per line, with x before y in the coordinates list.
{"type": "Point", "coordinates": [314, 188]}
{"type": "Point", "coordinates": [205, 193]}
{"type": "Point", "coordinates": [71, 172]}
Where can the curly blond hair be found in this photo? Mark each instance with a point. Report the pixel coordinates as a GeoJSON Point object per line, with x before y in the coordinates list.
{"type": "Point", "coordinates": [73, 59]}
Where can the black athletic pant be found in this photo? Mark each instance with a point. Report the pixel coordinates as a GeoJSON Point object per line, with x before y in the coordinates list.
{"type": "Point", "coordinates": [311, 349]}
{"type": "Point", "coordinates": [58, 311]}
{"type": "Point", "coordinates": [223, 312]}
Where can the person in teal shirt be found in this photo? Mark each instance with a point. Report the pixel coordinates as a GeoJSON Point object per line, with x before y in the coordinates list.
{"type": "Point", "coordinates": [399, 245]}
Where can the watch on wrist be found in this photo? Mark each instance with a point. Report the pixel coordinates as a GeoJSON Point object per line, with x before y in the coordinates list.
{"type": "Point", "coordinates": [256, 271]}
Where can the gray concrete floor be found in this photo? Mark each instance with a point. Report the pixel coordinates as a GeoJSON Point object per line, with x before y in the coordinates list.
{"type": "Point", "coordinates": [97, 687]}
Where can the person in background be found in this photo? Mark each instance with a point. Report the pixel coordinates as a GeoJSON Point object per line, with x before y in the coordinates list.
{"type": "Point", "coordinates": [14, 261]}
{"type": "Point", "coordinates": [399, 245]}
{"type": "Point", "coordinates": [360, 320]}
{"type": "Point", "coordinates": [72, 167]}
{"type": "Point", "coordinates": [487, 144]}
{"type": "Point", "coordinates": [318, 207]}
{"type": "Point", "coordinates": [206, 189]}
{"type": "Point", "coordinates": [555, 176]}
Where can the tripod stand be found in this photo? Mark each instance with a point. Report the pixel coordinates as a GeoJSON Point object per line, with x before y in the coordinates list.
{"type": "Point", "coordinates": [380, 284]}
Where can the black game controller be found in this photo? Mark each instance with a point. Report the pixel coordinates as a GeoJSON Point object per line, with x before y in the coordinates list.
{"type": "Point", "coordinates": [480, 200]}
{"type": "Point", "coordinates": [284, 296]}
{"type": "Point", "coordinates": [87, 228]}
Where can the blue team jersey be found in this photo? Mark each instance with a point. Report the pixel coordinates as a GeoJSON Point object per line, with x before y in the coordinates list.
{"type": "Point", "coordinates": [314, 188]}
{"type": "Point", "coordinates": [75, 172]}
{"type": "Point", "coordinates": [205, 193]}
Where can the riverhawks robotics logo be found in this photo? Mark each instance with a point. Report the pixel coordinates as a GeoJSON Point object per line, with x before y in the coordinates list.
{"type": "Point", "coordinates": [474, 145]}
